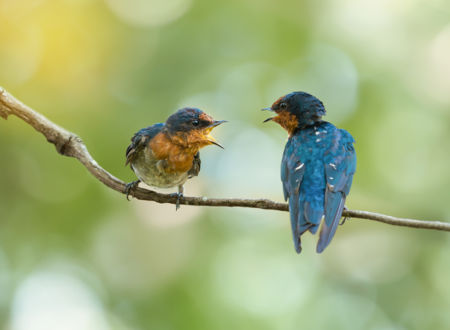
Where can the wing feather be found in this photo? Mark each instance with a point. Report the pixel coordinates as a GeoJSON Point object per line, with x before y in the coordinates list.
{"type": "Point", "coordinates": [140, 140]}
{"type": "Point", "coordinates": [292, 171]}
{"type": "Point", "coordinates": [339, 169]}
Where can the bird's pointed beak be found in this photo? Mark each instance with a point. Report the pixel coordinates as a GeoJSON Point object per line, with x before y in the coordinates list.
{"type": "Point", "coordinates": [217, 123]}
{"type": "Point", "coordinates": [268, 109]}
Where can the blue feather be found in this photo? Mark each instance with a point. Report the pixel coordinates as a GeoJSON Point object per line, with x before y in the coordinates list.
{"type": "Point", "coordinates": [294, 215]}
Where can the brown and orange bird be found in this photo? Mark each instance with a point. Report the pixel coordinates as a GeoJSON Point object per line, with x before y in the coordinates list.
{"type": "Point", "coordinates": [167, 154]}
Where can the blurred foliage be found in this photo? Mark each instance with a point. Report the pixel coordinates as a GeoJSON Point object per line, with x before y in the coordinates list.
{"type": "Point", "coordinates": [76, 255]}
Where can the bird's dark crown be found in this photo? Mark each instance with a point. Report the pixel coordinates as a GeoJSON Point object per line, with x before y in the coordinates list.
{"type": "Point", "coordinates": [307, 108]}
{"type": "Point", "coordinates": [188, 119]}
{"type": "Point", "coordinates": [297, 110]}
{"type": "Point", "coordinates": [191, 127]}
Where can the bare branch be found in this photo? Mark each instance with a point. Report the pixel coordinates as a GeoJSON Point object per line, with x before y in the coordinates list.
{"type": "Point", "coordinates": [69, 144]}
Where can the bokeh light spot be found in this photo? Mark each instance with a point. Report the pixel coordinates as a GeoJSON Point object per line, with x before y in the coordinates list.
{"type": "Point", "coordinates": [48, 300]}
{"type": "Point", "coordinates": [262, 281]}
{"type": "Point", "coordinates": [407, 149]}
{"type": "Point", "coordinates": [148, 12]}
{"type": "Point", "coordinates": [165, 251]}
{"type": "Point", "coordinates": [438, 73]}
{"type": "Point", "coordinates": [389, 256]}
{"type": "Point", "coordinates": [20, 53]}
{"type": "Point", "coordinates": [5, 278]}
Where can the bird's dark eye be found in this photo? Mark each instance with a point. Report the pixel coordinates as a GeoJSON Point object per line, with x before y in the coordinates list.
{"type": "Point", "coordinates": [283, 105]}
{"type": "Point", "coordinates": [195, 122]}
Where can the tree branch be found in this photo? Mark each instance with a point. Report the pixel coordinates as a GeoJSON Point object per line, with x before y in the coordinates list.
{"type": "Point", "coordinates": [69, 144]}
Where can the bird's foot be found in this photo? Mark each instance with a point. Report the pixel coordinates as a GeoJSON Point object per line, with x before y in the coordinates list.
{"type": "Point", "coordinates": [130, 186]}
{"type": "Point", "coordinates": [179, 196]}
{"type": "Point", "coordinates": [345, 218]}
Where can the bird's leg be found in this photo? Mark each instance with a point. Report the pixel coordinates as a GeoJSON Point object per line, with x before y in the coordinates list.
{"type": "Point", "coordinates": [130, 186]}
{"type": "Point", "coordinates": [345, 218]}
{"type": "Point", "coordinates": [179, 196]}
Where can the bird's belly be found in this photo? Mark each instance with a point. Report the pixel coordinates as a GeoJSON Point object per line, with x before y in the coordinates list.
{"type": "Point", "coordinates": [146, 169]}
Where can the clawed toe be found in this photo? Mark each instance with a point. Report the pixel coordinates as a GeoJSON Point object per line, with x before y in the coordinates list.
{"type": "Point", "coordinates": [179, 197]}
{"type": "Point", "coordinates": [129, 187]}
{"type": "Point", "coordinates": [345, 218]}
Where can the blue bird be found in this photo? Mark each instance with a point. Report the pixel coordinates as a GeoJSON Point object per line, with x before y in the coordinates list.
{"type": "Point", "coordinates": [317, 166]}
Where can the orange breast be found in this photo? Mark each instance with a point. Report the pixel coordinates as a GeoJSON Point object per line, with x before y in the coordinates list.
{"type": "Point", "coordinates": [160, 146]}
{"type": "Point", "coordinates": [179, 158]}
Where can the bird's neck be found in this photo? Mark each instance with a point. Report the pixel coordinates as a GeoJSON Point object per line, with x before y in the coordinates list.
{"type": "Point", "coordinates": [288, 121]}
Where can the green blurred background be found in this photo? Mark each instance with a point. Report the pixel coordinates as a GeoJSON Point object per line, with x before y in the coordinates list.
{"type": "Point", "coordinates": [76, 255]}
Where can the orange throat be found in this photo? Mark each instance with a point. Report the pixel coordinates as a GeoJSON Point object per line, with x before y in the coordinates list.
{"type": "Point", "coordinates": [286, 120]}
{"type": "Point", "coordinates": [178, 151]}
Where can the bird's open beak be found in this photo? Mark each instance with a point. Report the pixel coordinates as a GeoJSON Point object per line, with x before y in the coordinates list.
{"type": "Point", "coordinates": [210, 128]}
{"type": "Point", "coordinates": [215, 142]}
{"type": "Point", "coordinates": [268, 109]}
{"type": "Point", "coordinates": [216, 123]}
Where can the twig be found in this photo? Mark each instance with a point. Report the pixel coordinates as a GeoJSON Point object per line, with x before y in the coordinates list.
{"type": "Point", "coordinates": [69, 144]}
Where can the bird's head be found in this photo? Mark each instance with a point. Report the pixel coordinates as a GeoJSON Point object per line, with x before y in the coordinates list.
{"type": "Point", "coordinates": [296, 110]}
{"type": "Point", "coordinates": [191, 127]}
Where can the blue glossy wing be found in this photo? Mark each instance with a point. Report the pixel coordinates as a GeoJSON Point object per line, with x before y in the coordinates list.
{"type": "Point", "coordinates": [141, 139]}
{"type": "Point", "coordinates": [292, 171]}
{"type": "Point", "coordinates": [340, 165]}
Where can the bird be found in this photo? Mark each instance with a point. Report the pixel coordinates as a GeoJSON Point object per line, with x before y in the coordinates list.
{"type": "Point", "coordinates": [317, 166]}
{"type": "Point", "coordinates": [167, 154]}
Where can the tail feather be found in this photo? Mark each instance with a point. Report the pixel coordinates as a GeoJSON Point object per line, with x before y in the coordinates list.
{"type": "Point", "coordinates": [334, 205]}
{"type": "Point", "coordinates": [304, 218]}
{"type": "Point", "coordinates": [313, 215]}
{"type": "Point", "coordinates": [313, 229]}
{"type": "Point", "coordinates": [294, 215]}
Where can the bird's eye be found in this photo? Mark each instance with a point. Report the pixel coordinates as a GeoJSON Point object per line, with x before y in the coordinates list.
{"type": "Point", "coordinates": [195, 122]}
{"type": "Point", "coordinates": [283, 105]}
